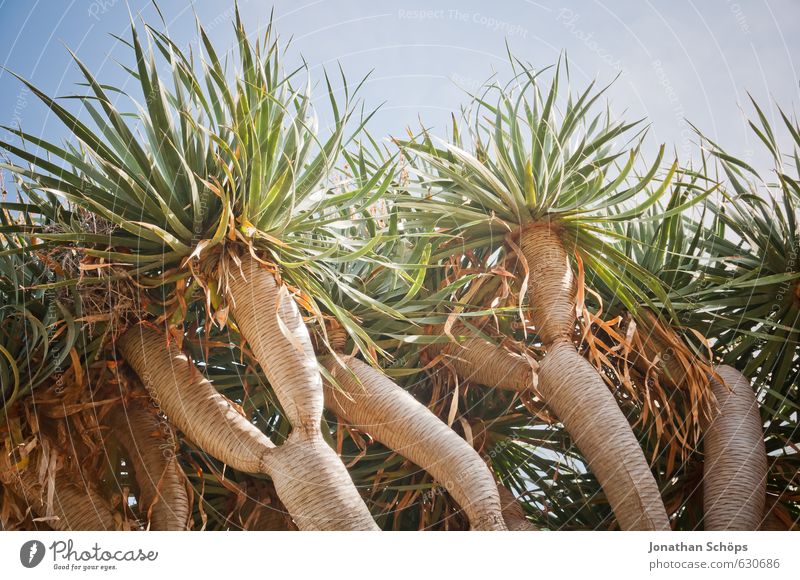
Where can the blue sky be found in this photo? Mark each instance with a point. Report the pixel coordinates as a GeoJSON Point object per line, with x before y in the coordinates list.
{"type": "Point", "coordinates": [679, 60]}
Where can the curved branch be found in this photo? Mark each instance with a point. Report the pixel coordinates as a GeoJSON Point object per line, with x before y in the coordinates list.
{"type": "Point", "coordinates": [735, 467]}
{"type": "Point", "coordinates": [309, 477]}
{"type": "Point", "coordinates": [150, 447]}
{"type": "Point", "coordinates": [372, 402]}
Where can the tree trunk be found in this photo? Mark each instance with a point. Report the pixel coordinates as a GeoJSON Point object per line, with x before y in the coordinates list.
{"type": "Point", "coordinates": [74, 508]}
{"type": "Point", "coordinates": [81, 508]}
{"type": "Point", "coordinates": [270, 322]}
{"type": "Point", "coordinates": [370, 401]}
{"type": "Point", "coordinates": [481, 362]}
{"type": "Point", "coordinates": [309, 477]}
{"type": "Point", "coordinates": [577, 393]}
{"type": "Point", "coordinates": [573, 389]}
{"type": "Point", "coordinates": [551, 283]}
{"type": "Point", "coordinates": [735, 466]}
{"type": "Point", "coordinates": [316, 489]}
{"type": "Point", "coordinates": [513, 514]}
{"type": "Point", "coordinates": [163, 499]}
{"type": "Point", "coordinates": [191, 402]}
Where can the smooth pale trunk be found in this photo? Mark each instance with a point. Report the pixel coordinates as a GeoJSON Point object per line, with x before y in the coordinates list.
{"type": "Point", "coordinates": [309, 477]}
{"type": "Point", "coordinates": [484, 363]}
{"type": "Point", "coordinates": [372, 402]}
{"type": "Point", "coordinates": [150, 446]}
{"type": "Point", "coordinates": [576, 392]}
{"type": "Point", "coordinates": [735, 464]}
{"type": "Point", "coordinates": [572, 388]}
{"type": "Point", "coordinates": [316, 489]}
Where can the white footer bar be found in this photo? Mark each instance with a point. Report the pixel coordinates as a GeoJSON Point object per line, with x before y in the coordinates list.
{"type": "Point", "coordinates": [400, 555]}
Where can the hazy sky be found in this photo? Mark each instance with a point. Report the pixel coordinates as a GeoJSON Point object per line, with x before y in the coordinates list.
{"type": "Point", "coordinates": [679, 59]}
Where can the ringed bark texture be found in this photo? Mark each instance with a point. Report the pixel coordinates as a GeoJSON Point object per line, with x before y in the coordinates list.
{"type": "Point", "coordinates": [513, 514]}
{"type": "Point", "coordinates": [75, 508]}
{"type": "Point", "coordinates": [313, 484]}
{"type": "Point", "coordinates": [271, 323]}
{"type": "Point", "coordinates": [576, 392]}
{"type": "Point", "coordinates": [375, 404]}
{"type": "Point", "coordinates": [735, 467]}
{"type": "Point", "coordinates": [551, 283]}
{"type": "Point", "coordinates": [309, 476]}
{"type": "Point", "coordinates": [479, 361]}
{"type": "Point", "coordinates": [192, 403]}
{"type": "Point", "coordinates": [150, 446]}
{"type": "Point", "coordinates": [573, 389]}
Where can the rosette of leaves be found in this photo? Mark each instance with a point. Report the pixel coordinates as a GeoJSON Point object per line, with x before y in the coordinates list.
{"type": "Point", "coordinates": [224, 185]}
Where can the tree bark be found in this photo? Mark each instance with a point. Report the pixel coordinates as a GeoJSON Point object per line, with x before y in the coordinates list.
{"type": "Point", "coordinates": [316, 489]}
{"type": "Point", "coordinates": [191, 402]}
{"type": "Point", "coordinates": [513, 514]}
{"type": "Point", "coordinates": [309, 477]}
{"type": "Point", "coordinates": [372, 402]}
{"type": "Point", "coordinates": [481, 362]}
{"type": "Point", "coordinates": [577, 393]}
{"type": "Point", "coordinates": [735, 466]}
{"type": "Point", "coordinates": [270, 322]}
{"type": "Point", "coordinates": [74, 508]}
{"type": "Point", "coordinates": [163, 499]}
